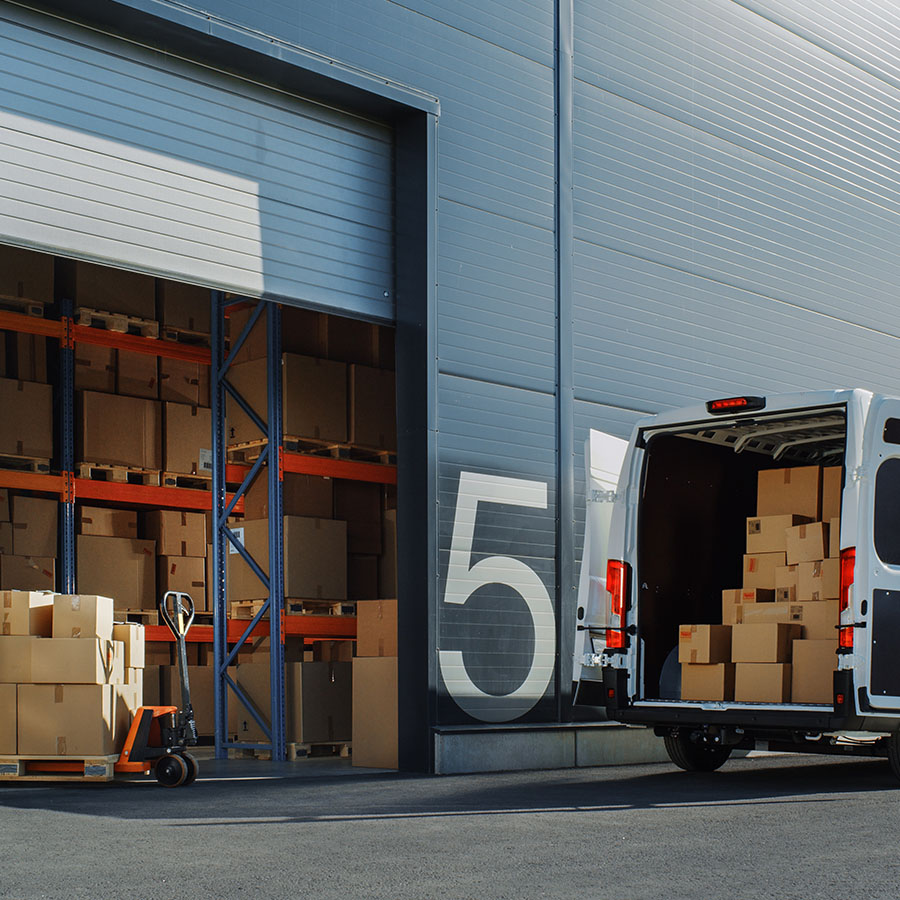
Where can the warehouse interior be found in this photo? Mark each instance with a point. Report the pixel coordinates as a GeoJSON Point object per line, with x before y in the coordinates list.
{"type": "Point", "coordinates": [106, 490]}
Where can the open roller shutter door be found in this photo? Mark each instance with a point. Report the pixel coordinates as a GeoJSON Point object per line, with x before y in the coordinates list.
{"type": "Point", "coordinates": [125, 156]}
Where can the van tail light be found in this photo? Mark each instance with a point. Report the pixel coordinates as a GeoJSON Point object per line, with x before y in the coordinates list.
{"type": "Point", "coordinates": [848, 565]}
{"type": "Point", "coordinates": [617, 573]}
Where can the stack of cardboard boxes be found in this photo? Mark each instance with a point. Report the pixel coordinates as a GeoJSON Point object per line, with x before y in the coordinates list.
{"type": "Point", "coordinates": [28, 538]}
{"type": "Point", "coordinates": [778, 637]}
{"type": "Point", "coordinates": [70, 679]}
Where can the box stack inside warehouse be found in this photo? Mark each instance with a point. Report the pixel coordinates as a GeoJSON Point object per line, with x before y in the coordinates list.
{"type": "Point", "coordinates": [142, 440]}
{"type": "Point", "coordinates": [777, 640]}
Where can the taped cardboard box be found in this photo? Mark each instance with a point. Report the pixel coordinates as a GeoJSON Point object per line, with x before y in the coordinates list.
{"type": "Point", "coordinates": [77, 661]}
{"type": "Point", "coordinates": [812, 676]}
{"type": "Point", "coordinates": [696, 643]}
{"type": "Point", "coordinates": [121, 568]}
{"type": "Point", "coordinates": [733, 596]}
{"type": "Point", "coordinates": [819, 619]}
{"type": "Point", "coordinates": [107, 522]}
{"type": "Point", "coordinates": [763, 643]}
{"type": "Point", "coordinates": [183, 306]}
{"type": "Point", "coordinates": [26, 613]}
{"type": "Point", "coordinates": [832, 478]}
{"type": "Point", "coordinates": [333, 651]}
{"type": "Point", "coordinates": [27, 573]}
{"type": "Point", "coordinates": [8, 726]}
{"type": "Point", "coordinates": [376, 629]}
{"type": "Point", "coordinates": [188, 439]}
{"type": "Point", "coordinates": [820, 580]}
{"type": "Point", "coordinates": [35, 524]}
{"type": "Point", "coordinates": [834, 538]}
{"type": "Point", "coordinates": [768, 534]}
{"type": "Point", "coordinates": [95, 368]}
{"type": "Point", "coordinates": [15, 658]}
{"type": "Point", "coordinates": [28, 359]}
{"type": "Point", "coordinates": [795, 491]}
{"type": "Point", "coordinates": [132, 636]}
{"type": "Point", "coordinates": [302, 331]}
{"type": "Point", "coordinates": [182, 381]}
{"type": "Point", "coordinates": [310, 496]}
{"type": "Point", "coordinates": [27, 419]}
{"type": "Point", "coordinates": [177, 533]}
{"type": "Point", "coordinates": [6, 538]}
{"type": "Point", "coordinates": [787, 578]}
{"type": "Point", "coordinates": [186, 574]}
{"type": "Point", "coordinates": [359, 504]}
{"type": "Point", "coordinates": [83, 616]}
{"type": "Point", "coordinates": [26, 274]}
{"type": "Point", "coordinates": [707, 682]}
{"type": "Point", "coordinates": [137, 375]}
{"type": "Point", "coordinates": [759, 569]}
{"type": "Point", "coordinates": [762, 682]}
{"type": "Point", "coordinates": [807, 543]}
{"type": "Point", "coordinates": [375, 712]}
{"type": "Point", "coordinates": [107, 289]}
{"type": "Point", "coordinates": [67, 720]}
{"type": "Point", "coordinates": [119, 431]}
{"type": "Point", "coordinates": [373, 408]}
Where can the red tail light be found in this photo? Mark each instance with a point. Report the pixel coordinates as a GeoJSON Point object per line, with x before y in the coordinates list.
{"type": "Point", "coordinates": [727, 404]}
{"type": "Point", "coordinates": [617, 585]}
{"type": "Point", "coordinates": [848, 565]}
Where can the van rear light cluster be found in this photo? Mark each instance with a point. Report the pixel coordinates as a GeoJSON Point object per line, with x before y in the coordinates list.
{"type": "Point", "coordinates": [617, 578]}
{"type": "Point", "coordinates": [848, 566]}
{"type": "Point", "coordinates": [735, 404]}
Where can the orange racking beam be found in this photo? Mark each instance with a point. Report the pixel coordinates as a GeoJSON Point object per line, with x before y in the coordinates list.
{"type": "Point", "coordinates": [323, 627]}
{"type": "Point", "coordinates": [147, 495]}
{"type": "Point", "coordinates": [321, 465]}
{"type": "Point", "coordinates": [10, 321]}
{"type": "Point", "coordinates": [32, 481]}
{"type": "Point", "coordinates": [151, 346]}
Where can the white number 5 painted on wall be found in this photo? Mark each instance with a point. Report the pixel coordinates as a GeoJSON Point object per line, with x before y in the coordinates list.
{"type": "Point", "coordinates": [464, 579]}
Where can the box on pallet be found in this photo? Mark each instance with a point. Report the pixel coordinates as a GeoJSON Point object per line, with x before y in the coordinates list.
{"type": "Point", "coordinates": [767, 534]}
{"type": "Point", "coordinates": [707, 682]}
{"type": "Point", "coordinates": [183, 306]}
{"type": "Point", "coordinates": [186, 447]}
{"type": "Point", "coordinates": [376, 628]}
{"type": "Point", "coordinates": [759, 569]}
{"type": "Point", "coordinates": [26, 613]}
{"type": "Point", "coordinates": [26, 274]}
{"type": "Point", "coordinates": [66, 719]}
{"type": "Point", "coordinates": [35, 526]}
{"type": "Point", "coordinates": [119, 431]}
{"type": "Point", "coordinates": [375, 712]}
{"type": "Point", "coordinates": [27, 573]}
{"type": "Point", "coordinates": [807, 543]}
{"type": "Point", "coordinates": [813, 666]}
{"type": "Point", "coordinates": [698, 643]}
{"type": "Point", "coordinates": [107, 522]}
{"type": "Point", "coordinates": [182, 381]}
{"type": "Point", "coordinates": [762, 682]}
{"type": "Point", "coordinates": [107, 289]}
{"type": "Point", "coordinates": [27, 419]}
{"type": "Point", "coordinates": [796, 491]}
{"type": "Point", "coordinates": [95, 368]}
{"type": "Point", "coordinates": [763, 643]}
{"type": "Point", "coordinates": [28, 359]}
{"type": "Point", "coordinates": [121, 568]}
{"type": "Point", "coordinates": [137, 375]}
{"type": "Point", "coordinates": [186, 574]}
{"type": "Point", "coordinates": [310, 496]}
{"type": "Point", "coordinates": [177, 533]}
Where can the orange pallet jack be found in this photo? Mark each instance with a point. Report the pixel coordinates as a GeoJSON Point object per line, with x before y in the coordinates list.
{"type": "Point", "coordinates": [160, 735]}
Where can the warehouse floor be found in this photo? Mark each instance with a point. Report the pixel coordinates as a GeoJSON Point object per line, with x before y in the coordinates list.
{"type": "Point", "coordinates": [249, 769]}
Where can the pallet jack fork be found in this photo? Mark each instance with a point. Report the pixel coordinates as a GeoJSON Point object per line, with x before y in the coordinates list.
{"type": "Point", "coordinates": [160, 735]}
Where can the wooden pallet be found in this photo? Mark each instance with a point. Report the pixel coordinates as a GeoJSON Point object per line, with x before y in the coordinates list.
{"type": "Point", "coordinates": [22, 305]}
{"type": "Point", "coordinates": [118, 322]}
{"type": "Point", "coordinates": [245, 609]}
{"type": "Point", "coordinates": [24, 463]}
{"type": "Point", "coordinates": [294, 607]}
{"type": "Point", "coordinates": [142, 616]}
{"type": "Point", "coordinates": [249, 753]}
{"type": "Point", "coordinates": [118, 474]}
{"type": "Point", "coordinates": [57, 768]}
{"type": "Point", "coordinates": [201, 482]}
{"type": "Point", "coordinates": [249, 451]}
{"type": "Point", "coordinates": [185, 336]}
{"type": "Point", "coordinates": [341, 749]}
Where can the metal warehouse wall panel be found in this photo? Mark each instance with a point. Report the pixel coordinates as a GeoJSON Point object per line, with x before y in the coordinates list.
{"type": "Point", "coordinates": [112, 153]}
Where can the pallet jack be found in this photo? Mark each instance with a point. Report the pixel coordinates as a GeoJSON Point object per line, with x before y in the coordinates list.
{"type": "Point", "coordinates": [160, 735]}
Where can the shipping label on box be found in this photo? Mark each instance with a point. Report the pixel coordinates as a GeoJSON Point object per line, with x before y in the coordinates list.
{"type": "Point", "coordinates": [35, 526]}
{"type": "Point", "coordinates": [812, 678]}
{"type": "Point", "coordinates": [707, 682]}
{"type": "Point", "coordinates": [759, 569]}
{"type": "Point", "coordinates": [795, 491]}
{"type": "Point", "coordinates": [767, 534]}
{"type": "Point", "coordinates": [762, 682]}
{"type": "Point", "coordinates": [82, 616]}
{"type": "Point", "coordinates": [834, 538]}
{"type": "Point", "coordinates": [27, 573]}
{"type": "Point", "coordinates": [26, 613]}
{"type": "Point", "coordinates": [807, 543]}
{"type": "Point", "coordinates": [696, 643]}
{"type": "Point", "coordinates": [763, 643]}
{"type": "Point", "coordinates": [820, 580]}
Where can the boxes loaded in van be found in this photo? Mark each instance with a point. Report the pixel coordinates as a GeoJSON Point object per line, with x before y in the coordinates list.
{"type": "Point", "coordinates": [753, 582]}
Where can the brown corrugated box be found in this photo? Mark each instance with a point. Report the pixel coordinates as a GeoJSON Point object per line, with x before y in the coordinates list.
{"type": "Point", "coordinates": [158, 653]}
{"type": "Point", "coordinates": [375, 712]}
{"type": "Point", "coordinates": [183, 306]}
{"type": "Point", "coordinates": [302, 495]}
{"type": "Point", "coordinates": [121, 568]}
{"type": "Point", "coordinates": [376, 628]}
{"type": "Point", "coordinates": [4, 505]}
{"type": "Point", "coordinates": [831, 492]}
{"type": "Point", "coordinates": [834, 538]}
{"type": "Point", "coordinates": [132, 636]}
{"type": "Point", "coordinates": [83, 616]}
{"type": "Point", "coordinates": [119, 431]}
{"type": "Point", "coordinates": [177, 533]}
{"type": "Point", "coordinates": [333, 651]}
{"type": "Point", "coordinates": [26, 273]}
{"type": "Point", "coordinates": [26, 357]}
{"type": "Point", "coordinates": [359, 504]}
{"type": "Point", "coordinates": [27, 573]}
{"type": "Point", "coordinates": [77, 661]}
{"type": "Point", "coordinates": [733, 596]}
{"type": "Point", "coordinates": [15, 658]}
{"type": "Point", "coordinates": [107, 522]}
{"type": "Point", "coordinates": [819, 618]}
{"type": "Point", "coordinates": [696, 643]}
{"type": "Point", "coordinates": [137, 375]}
{"type": "Point", "coordinates": [35, 526]}
{"type": "Point", "coordinates": [95, 368]}
{"type": "Point", "coordinates": [820, 580]}
{"type": "Point", "coordinates": [372, 408]}
{"type": "Point", "coordinates": [759, 569]}
{"type": "Point", "coordinates": [796, 491]}
{"type": "Point", "coordinates": [6, 538]}
{"type": "Point", "coordinates": [8, 727]}
{"type": "Point", "coordinates": [807, 543]}
{"type": "Point", "coordinates": [188, 439]}
{"type": "Point", "coordinates": [182, 381]}
{"type": "Point", "coordinates": [67, 720]}
{"type": "Point", "coordinates": [302, 331]}
{"type": "Point", "coordinates": [186, 574]}
{"type": "Point", "coordinates": [27, 419]}
{"type": "Point", "coordinates": [762, 682]}
{"type": "Point", "coordinates": [707, 682]}
{"type": "Point", "coordinates": [812, 678]}
{"type": "Point", "coordinates": [787, 579]}
{"type": "Point", "coordinates": [767, 534]}
{"type": "Point", "coordinates": [387, 562]}
{"type": "Point", "coordinates": [763, 643]}
{"type": "Point", "coordinates": [107, 289]}
{"type": "Point", "coordinates": [26, 613]}
{"type": "Point", "coordinates": [362, 577]}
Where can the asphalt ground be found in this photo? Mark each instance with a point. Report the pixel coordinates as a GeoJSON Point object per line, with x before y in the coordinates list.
{"type": "Point", "coordinates": [771, 827]}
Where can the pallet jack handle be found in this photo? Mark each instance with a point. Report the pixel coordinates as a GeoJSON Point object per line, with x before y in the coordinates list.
{"type": "Point", "coordinates": [179, 619]}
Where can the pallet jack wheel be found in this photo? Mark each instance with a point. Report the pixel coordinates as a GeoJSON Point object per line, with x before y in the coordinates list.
{"type": "Point", "coordinates": [193, 768]}
{"type": "Point", "coordinates": [171, 771]}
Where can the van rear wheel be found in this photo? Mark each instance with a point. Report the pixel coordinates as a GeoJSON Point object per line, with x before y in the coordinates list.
{"type": "Point", "coordinates": [694, 755]}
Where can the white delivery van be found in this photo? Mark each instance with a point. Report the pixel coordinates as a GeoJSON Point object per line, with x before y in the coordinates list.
{"type": "Point", "coordinates": [689, 483]}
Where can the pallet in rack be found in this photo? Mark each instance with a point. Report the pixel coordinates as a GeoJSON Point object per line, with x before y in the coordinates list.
{"type": "Point", "coordinates": [24, 463]}
{"type": "Point", "coordinates": [141, 616]}
{"type": "Point", "coordinates": [117, 474]}
{"type": "Point", "coordinates": [184, 336]}
{"type": "Point", "coordinates": [319, 607]}
{"type": "Point", "coordinates": [249, 451]}
{"type": "Point", "coordinates": [117, 322]}
{"type": "Point", "coordinates": [200, 482]}
{"type": "Point", "coordinates": [319, 750]}
{"type": "Point", "coordinates": [245, 609]}
{"type": "Point", "coordinates": [57, 768]}
{"type": "Point", "coordinates": [22, 305]}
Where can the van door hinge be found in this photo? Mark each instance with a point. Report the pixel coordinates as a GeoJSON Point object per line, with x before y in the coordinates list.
{"type": "Point", "coordinates": [857, 474]}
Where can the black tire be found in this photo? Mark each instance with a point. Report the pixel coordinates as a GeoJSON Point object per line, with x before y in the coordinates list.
{"type": "Point", "coordinates": [894, 753]}
{"type": "Point", "coordinates": [693, 756]}
{"type": "Point", "coordinates": [193, 768]}
{"type": "Point", "coordinates": [171, 771]}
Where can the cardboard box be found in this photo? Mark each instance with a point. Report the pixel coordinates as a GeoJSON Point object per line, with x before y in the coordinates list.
{"type": "Point", "coordinates": [67, 720]}
{"type": "Point", "coordinates": [108, 289]}
{"type": "Point", "coordinates": [28, 360]}
{"type": "Point", "coordinates": [27, 419]}
{"type": "Point", "coordinates": [77, 661]}
{"type": "Point", "coordinates": [302, 495]}
{"type": "Point", "coordinates": [6, 538]}
{"type": "Point", "coordinates": [812, 677]}
{"type": "Point", "coordinates": [182, 381]}
{"type": "Point", "coordinates": [15, 658]}
{"type": "Point", "coordinates": [158, 653]}
{"type": "Point", "coordinates": [4, 505]}
{"type": "Point", "coordinates": [767, 534]}
{"type": "Point", "coordinates": [733, 596]}
{"type": "Point", "coordinates": [186, 574]}
{"type": "Point", "coordinates": [152, 693]}
{"type": "Point", "coordinates": [302, 331]}
{"type": "Point", "coordinates": [762, 682]}
{"type": "Point", "coordinates": [119, 431]}
{"type": "Point", "coordinates": [121, 568]}
{"type": "Point", "coordinates": [83, 616]}
{"type": "Point", "coordinates": [387, 562]}
{"type": "Point", "coordinates": [26, 613]}
{"type": "Point", "coordinates": [834, 538]}
{"type": "Point", "coordinates": [763, 643]}
{"type": "Point", "coordinates": [787, 578]}
{"type": "Point", "coordinates": [314, 404]}
{"type": "Point", "coordinates": [376, 631]}
{"type": "Point", "coordinates": [820, 580]}
{"type": "Point", "coordinates": [818, 619]}
{"type": "Point", "coordinates": [759, 569]}
{"type": "Point", "coordinates": [95, 368]}
{"type": "Point", "coordinates": [375, 713]}
{"type": "Point", "coordinates": [131, 634]}
{"type": "Point", "coordinates": [707, 682]}
{"type": "Point", "coordinates": [27, 573]}
{"type": "Point", "coordinates": [832, 478]}
{"type": "Point", "coordinates": [796, 491]}
{"type": "Point", "coordinates": [128, 699]}
{"type": "Point", "coordinates": [696, 643]}
{"type": "Point", "coordinates": [177, 533]}
{"type": "Point", "coordinates": [107, 522]}
{"type": "Point", "coordinates": [184, 307]}
{"type": "Point", "coordinates": [8, 728]}
{"type": "Point", "coordinates": [358, 503]}
{"type": "Point", "coordinates": [201, 680]}
{"type": "Point", "coordinates": [807, 543]}
{"type": "Point", "coordinates": [188, 439]}
{"type": "Point", "coordinates": [35, 524]}
{"type": "Point", "coordinates": [315, 560]}
{"type": "Point", "coordinates": [26, 273]}
{"type": "Point", "coordinates": [333, 651]}
{"type": "Point", "coordinates": [373, 408]}
{"type": "Point", "coordinates": [137, 375]}
{"type": "Point", "coordinates": [362, 577]}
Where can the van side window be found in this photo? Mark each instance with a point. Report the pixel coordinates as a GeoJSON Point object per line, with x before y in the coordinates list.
{"type": "Point", "coordinates": [891, 433]}
{"type": "Point", "coordinates": [887, 511]}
